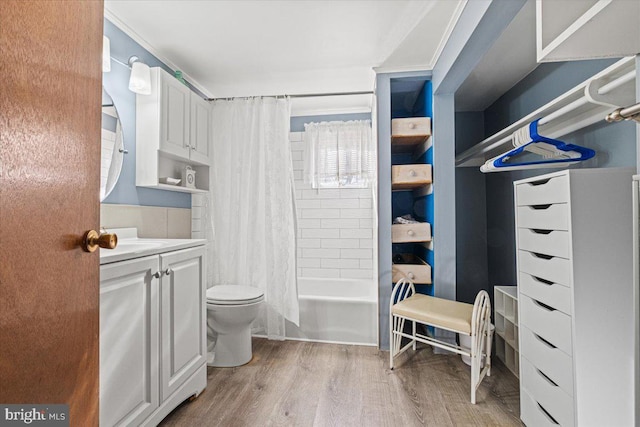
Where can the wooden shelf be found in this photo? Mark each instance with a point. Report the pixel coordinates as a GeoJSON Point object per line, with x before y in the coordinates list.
{"type": "Point", "coordinates": [411, 233]}
{"type": "Point", "coordinates": [410, 177]}
{"type": "Point", "coordinates": [412, 267]}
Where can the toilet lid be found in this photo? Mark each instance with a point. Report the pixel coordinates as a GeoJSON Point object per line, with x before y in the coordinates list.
{"type": "Point", "coordinates": [234, 294]}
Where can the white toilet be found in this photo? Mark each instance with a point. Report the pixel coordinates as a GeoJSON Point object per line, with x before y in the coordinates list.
{"type": "Point", "coordinates": [230, 311]}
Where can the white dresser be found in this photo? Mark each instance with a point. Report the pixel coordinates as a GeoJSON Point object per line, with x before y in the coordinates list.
{"type": "Point", "coordinates": [574, 260]}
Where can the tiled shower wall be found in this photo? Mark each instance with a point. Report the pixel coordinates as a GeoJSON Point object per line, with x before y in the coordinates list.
{"type": "Point", "coordinates": [335, 226]}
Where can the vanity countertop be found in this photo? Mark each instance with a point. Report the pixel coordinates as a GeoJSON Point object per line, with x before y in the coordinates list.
{"type": "Point", "coordinates": [130, 246]}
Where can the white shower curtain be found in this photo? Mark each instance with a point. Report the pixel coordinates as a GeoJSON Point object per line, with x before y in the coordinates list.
{"type": "Point", "coordinates": [252, 212]}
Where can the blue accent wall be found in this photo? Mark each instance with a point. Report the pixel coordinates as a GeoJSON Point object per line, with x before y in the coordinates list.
{"type": "Point", "coordinates": [297, 123]}
{"type": "Point", "coordinates": [116, 84]}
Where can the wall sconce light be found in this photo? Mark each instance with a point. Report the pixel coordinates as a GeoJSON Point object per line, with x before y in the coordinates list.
{"type": "Point", "coordinates": [106, 54]}
{"type": "Point", "coordinates": [140, 80]}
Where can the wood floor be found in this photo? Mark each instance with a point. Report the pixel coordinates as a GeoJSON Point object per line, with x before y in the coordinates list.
{"type": "Point", "coordinates": [291, 383]}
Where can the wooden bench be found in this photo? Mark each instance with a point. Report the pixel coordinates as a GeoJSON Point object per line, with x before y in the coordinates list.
{"type": "Point", "coordinates": [462, 318]}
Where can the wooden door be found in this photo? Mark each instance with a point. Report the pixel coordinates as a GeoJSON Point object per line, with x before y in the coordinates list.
{"type": "Point", "coordinates": [182, 315]}
{"type": "Point", "coordinates": [50, 94]}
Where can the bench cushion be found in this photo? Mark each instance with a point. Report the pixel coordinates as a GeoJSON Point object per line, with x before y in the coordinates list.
{"type": "Point", "coordinates": [452, 315]}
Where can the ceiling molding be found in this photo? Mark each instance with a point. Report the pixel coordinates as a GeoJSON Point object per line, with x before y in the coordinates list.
{"type": "Point", "coordinates": [407, 69]}
{"type": "Point", "coordinates": [149, 47]}
{"type": "Point", "coordinates": [447, 32]}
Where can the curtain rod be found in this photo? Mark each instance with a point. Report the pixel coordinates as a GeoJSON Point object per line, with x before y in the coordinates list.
{"type": "Point", "coordinates": [301, 95]}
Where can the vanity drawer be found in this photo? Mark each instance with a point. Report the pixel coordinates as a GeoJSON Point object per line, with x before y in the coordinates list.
{"type": "Point", "coordinates": [557, 403]}
{"type": "Point", "coordinates": [532, 413]}
{"type": "Point", "coordinates": [556, 295]}
{"type": "Point", "coordinates": [554, 242]}
{"type": "Point", "coordinates": [413, 268]}
{"type": "Point", "coordinates": [550, 324]}
{"type": "Point", "coordinates": [547, 217]}
{"type": "Point", "coordinates": [557, 270]}
{"type": "Point", "coordinates": [549, 359]}
{"type": "Point", "coordinates": [543, 192]}
{"type": "Point", "coordinates": [403, 233]}
{"type": "Point", "coordinates": [405, 177]}
{"type": "Point", "coordinates": [411, 126]}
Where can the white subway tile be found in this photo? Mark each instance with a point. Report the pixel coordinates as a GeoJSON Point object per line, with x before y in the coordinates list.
{"type": "Point", "coordinates": [298, 165]}
{"type": "Point", "coordinates": [366, 243]}
{"type": "Point", "coordinates": [196, 212]}
{"type": "Point", "coordinates": [309, 223]}
{"type": "Point", "coordinates": [197, 200]}
{"type": "Point", "coordinates": [309, 243]}
{"type": "Point", "coordinates": [356, 253]}
{"type": "Point", "coordinates": [309, 262]}
{"type": "Point", "coordinates": [321, 272]}
{"type": "Point", "coordinates": [320, 213]}
{"type": "Point", "coordinates": [356, 233]}
{"type": "Point", "coordinates": [355, 193]}
{"type": "Point", "coordinates": [309, 204]}
{"type": "Point", "coordinates": [366, 203]}
{"type": "Point", "coordinates": [340, 263]}
{"type": "Point", "coordinates": [366, 264]}
{"type": "Point", "coordinates": [341, 203]}
{"type": "Point", "coordinates": [366, 223]}
{"type": "Point", "coordinates": [304, 186]}
{"type": "Point", "coordinates": [196, 225]}
{"type": "Point", "coordinates": [341, 243]}
{"type": "Point", "coordinates": [355, 213]}
{"type": "Point", "coordinates": [324, 253]}
{"type": "Point", "coordinates": [296, 136]}
{"type": "Point", "coordinates": [296, 155]}
{"type": "Point", "coordinates": [297, 175]}
{"type": "Point", "coordinates": [322, 193]}
{"type": "Point", "coordinates": [356, 274]}
{"type": "Point", "coordinates": [198, 235]}
{"type": "Point", "coordinates": [297, 193]}
{"type": "Point", "coordinates": [320, 233]}
{"type": "Point", "coordinates": [299, 272]}
{"type": "Point", "coordinates": [340, 223]}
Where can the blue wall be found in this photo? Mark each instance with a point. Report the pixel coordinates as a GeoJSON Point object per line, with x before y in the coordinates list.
{"type": "Point", "coordinates": [614, 145]}
{"type": "Point", "coordinates": [297, 123]}
{"type": "Point", "coordinates": [116, 84]}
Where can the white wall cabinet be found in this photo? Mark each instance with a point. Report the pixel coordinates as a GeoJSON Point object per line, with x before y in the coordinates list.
{"type": "Point", "coordinates": [173, 130]}
{"type": "Point", "coordinates": [587, 29]}
{"type": "Point", "coordinates": [575, 295]}
{"type": "Point", "coordinates": [152, 336]}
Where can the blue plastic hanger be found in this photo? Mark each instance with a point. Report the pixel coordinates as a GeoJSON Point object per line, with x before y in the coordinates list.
{"type": "Point", "coordinates": [556, 153]}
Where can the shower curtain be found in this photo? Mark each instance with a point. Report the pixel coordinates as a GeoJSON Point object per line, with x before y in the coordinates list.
{"type": "Point", "coordinates": [252, 213]}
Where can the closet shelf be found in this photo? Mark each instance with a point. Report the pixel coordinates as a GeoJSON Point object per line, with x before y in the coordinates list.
{"type": "Point", "coordinates": [410, 177]}
{"type": "Point", "coordinates": [584, 105]}
{"type": "Point", "coordinates": [411, 233]}
{"type": "Point", "coordinates": [412, 267]}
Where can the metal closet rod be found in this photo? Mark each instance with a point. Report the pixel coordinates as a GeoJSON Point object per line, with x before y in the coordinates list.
{"type": "Point", "coordinates": [300, 95]}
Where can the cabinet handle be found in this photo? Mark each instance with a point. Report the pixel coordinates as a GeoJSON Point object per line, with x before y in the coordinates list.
{"type": "Point", "coordinates": [412, 125]}
{"type": "Point", "coordinates": [411, 276]}
{"type": "Point", "coordinates": [410, 232]}
{"type": "Point", "coordinates": [192, 147]}
{"type": "Point", "coordinates": [156, 275]}
{"type": "Point", "coordinates": [168, 271]}
{"type": "Point", "coordinates": [412, 173]}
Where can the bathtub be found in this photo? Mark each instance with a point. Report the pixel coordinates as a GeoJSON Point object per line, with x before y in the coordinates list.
{"type": "Point", "coordinates": [336, 311]}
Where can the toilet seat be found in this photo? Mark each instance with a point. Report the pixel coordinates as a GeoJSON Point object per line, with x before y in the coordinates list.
{"type": "Point", "coordinates": [234, 295]}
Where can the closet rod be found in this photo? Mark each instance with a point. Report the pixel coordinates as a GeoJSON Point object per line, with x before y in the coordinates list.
{"type": "Point", "coordinates": [575, 104]}
{"type": "Point", "coordinates": [300, 95]}
{"type": "Point", "coordinates": [628, 113]}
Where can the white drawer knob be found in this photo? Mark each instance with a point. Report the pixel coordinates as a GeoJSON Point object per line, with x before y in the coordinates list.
{"type": "Point", "coordinates": [412, 173]}
{"type": "Point", "coordinates": [412, 125]}
{"type": "Point", "coordinates": [410, 233]}
{"type": "Point", "coordinates": [410, 275]}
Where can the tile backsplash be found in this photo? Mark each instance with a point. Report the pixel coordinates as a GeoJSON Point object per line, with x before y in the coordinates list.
{"type": "Point", "coordinates": [151, 221]}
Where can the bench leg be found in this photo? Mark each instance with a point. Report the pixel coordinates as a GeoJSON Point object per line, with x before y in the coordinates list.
{"type": "Point", "coordinates": [414, 336]}
{"type": "Point", "coordinates": [391, 341]}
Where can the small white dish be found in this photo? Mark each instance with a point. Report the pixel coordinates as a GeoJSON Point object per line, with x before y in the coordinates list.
{"type": "Point", "coordinates": [169, 180]}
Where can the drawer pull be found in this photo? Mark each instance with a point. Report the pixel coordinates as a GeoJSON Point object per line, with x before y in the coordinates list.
{"type": "Point", "coordinates": [412, 173]}
{"type": "Point", "coordinates": [542, 256]}
{"type": "Point", "coordinates": [553, 420]}
{"type": "Point", "coordinates": [412, 125]}
{"type": "Point", "coordinates": [543, 281]}
{"type": "Point", "coordinates": [543, 305]}
{"type": "Point", "coordinates": [540, 207]}
{"type": "Point", "coordinates": [540, 231]}
{"type": "Point", "coordinates": [541, 182]}
{"type": "Point", "coordinates": [542, 340]}
{"type": "Point", "coordinates": [543, 375]}
{"type": "Point", "coordinates": [411, 233]}
{"type": "Point", "coordinates": [411, 276]}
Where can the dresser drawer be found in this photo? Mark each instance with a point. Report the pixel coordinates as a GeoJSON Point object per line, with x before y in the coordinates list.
{"type": "Point", "coordinates": [550, 324]}
{"type": "Point", "coordinates": [413, 268]}
{"type": "Point", "coordinates": [411, 126]}
{"type": "Point", "coordinates": [553, 294]}
{"type": "Point", "coordinates": [547, 217]}
{"type": "Point", "coordinates": [557, 270]}
{"type": "Point", "coordinates": [403, 233]}
{"type": "Point", "coordinates": [404, 177]}
{"type": "Point", "coordinates": [555, 401]}
{"type": "Point", "coordinates": [533, 414]}
{"type": "Point", "coordinates": [543, 192]}
{"type": "Point", "coordinates": [548, 242]}
{"type": "Point", "coordinates": [549, 359]}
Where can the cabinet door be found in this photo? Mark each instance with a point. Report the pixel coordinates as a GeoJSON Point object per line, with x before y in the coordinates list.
{"type": "Point", "coordinates": [175, 99]}
{"type": "Point", "coordinates": [183, 317]}
{"type": "Point", "coordinates": [200, 129]}
{"type": "Point", "coordinates": [128, 341]}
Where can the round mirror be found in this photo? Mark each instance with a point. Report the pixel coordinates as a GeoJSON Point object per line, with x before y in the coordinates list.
{"type": "Point", "coordinates": [112, 146]}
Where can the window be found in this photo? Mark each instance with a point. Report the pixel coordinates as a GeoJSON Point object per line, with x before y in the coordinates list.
{"type": "Point", "coordinates": [339, 154]}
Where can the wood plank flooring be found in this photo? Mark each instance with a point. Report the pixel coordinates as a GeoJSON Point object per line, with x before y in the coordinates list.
{"type": "Point", "coordinates": [292, 383]}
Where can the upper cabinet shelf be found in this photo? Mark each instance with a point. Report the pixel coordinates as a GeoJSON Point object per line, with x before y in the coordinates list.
{"type": "Point", "coordinates": [587, 29]}
{"type": "Point", "coordinates": [584, 105]}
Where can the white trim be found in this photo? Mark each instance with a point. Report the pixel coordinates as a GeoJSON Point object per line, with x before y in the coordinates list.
{"type": "Point", "coordinates": [405, 69]}
{"type": "Point", "coordinates": [152, 50]}
{"type": "Point", "coordinates": [447, 33]}
{"type": "Point", "coordinates": [321, 341]}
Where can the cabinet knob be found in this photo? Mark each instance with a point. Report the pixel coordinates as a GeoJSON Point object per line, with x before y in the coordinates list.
{"type": "Point", "coordinates": [411, 232]}
{"type": "Point", "coordinates": [168, 272]}
{"type": "Point", "coordinates": [156, 275]}
{"type": "Point", "coordinates": [412, 173]}
{"type": "Point", "coordinates": [411, 276]}
{"type": "Point", "coordinates": [92, 240]}
{"type": "Point", "coordinates": [412, 125]}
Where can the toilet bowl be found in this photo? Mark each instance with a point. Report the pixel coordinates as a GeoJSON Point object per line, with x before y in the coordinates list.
{"type": "Point", "coordinates": [230, 311]}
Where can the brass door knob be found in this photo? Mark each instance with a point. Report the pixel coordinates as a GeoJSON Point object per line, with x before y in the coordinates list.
{"type": "Point", "coordinates": [92, 241]}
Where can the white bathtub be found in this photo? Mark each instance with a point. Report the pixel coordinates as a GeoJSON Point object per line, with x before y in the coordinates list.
{"type": "Point", "coordinates": [336, 311]}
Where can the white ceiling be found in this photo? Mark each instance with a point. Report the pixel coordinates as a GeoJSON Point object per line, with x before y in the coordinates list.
{"type": "Point", "coordinates": [250, 48]}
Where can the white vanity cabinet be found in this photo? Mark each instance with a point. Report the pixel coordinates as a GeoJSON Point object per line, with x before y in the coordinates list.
{"type": "Point", "coordinates": [152, 335]}
{"type": "Point", "coordinates": [173, 131]}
